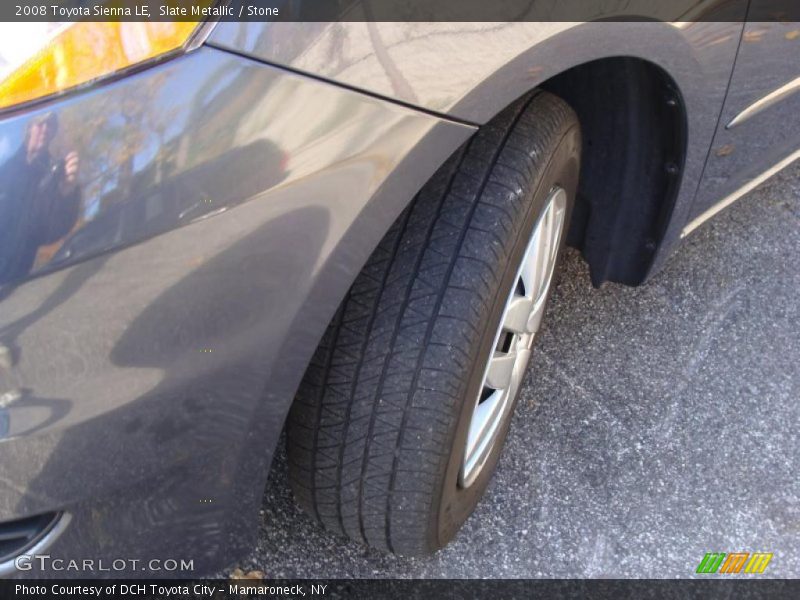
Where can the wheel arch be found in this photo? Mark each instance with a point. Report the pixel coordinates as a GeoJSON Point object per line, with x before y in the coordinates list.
{"type": "Point", "coordinates": [652, 93]}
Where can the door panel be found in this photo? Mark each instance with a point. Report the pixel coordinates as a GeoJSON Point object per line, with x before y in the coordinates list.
{"type": "Point", "coordinates": [760, 122]}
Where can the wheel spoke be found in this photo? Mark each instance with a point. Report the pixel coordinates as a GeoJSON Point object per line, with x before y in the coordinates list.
{"type": "Point", "coordinates": [543, 253]}
{"type": "Point", "coordinates": [517, 314]}
{"type": "Point", "coordinates": [529, 272]}
{"type": "Point", "coordinates": [535, 318]}
{"type": "Point", "coordinates": [482, 432]}
{"type": "Point", "coordinates": [558, 218]}
{"type": "Point", "coordinates": [501, 367]}
{"type": "Point", "coordinates": [549, 252]}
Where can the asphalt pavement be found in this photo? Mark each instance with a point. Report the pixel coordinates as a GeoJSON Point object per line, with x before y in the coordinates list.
{"type": "Point", "coordinates": [657, 424]}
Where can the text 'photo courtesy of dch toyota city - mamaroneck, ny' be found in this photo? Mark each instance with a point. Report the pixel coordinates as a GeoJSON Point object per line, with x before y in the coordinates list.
{"type": "Point", "coordinates": [399, 299]}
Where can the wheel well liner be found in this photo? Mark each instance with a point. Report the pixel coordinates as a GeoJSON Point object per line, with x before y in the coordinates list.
{"type": "Point", "coordinates": [634, 146]}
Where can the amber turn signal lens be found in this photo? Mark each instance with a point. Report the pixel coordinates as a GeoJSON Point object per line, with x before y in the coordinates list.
{"type": "Point", "coordinates": [82, 52]}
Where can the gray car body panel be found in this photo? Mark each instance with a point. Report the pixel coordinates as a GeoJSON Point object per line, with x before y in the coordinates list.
{"type": "Point", "coordinates": [768, 61]}
{"type": "Point", "coordinates": [149, 364]}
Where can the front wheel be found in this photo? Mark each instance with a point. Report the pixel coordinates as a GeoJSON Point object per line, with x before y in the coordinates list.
{"type": "Point", "coordinates": [402, 415]}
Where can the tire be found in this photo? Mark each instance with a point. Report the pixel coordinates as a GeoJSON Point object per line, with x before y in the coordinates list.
{"type": "Point", "coordinates": [377, 435]}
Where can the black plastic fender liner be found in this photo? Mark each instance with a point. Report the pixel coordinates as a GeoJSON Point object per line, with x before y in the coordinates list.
{"type": "Point", "coordinates": [634, 126]}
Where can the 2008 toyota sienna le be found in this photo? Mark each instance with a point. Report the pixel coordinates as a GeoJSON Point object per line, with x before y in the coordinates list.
{"type": "Point", "coordinates": [348, 229]}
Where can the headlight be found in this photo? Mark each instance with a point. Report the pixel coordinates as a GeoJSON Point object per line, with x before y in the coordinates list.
{"type": "Point", "coordinates": [41, 59]}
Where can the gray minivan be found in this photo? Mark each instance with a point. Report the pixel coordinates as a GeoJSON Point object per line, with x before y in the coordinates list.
{"type": "Point", "coordinates": [213, 232]}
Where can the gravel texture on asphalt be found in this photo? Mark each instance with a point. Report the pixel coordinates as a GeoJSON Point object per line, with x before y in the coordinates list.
{"type": "Point", "coordinates": [657, 424]}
